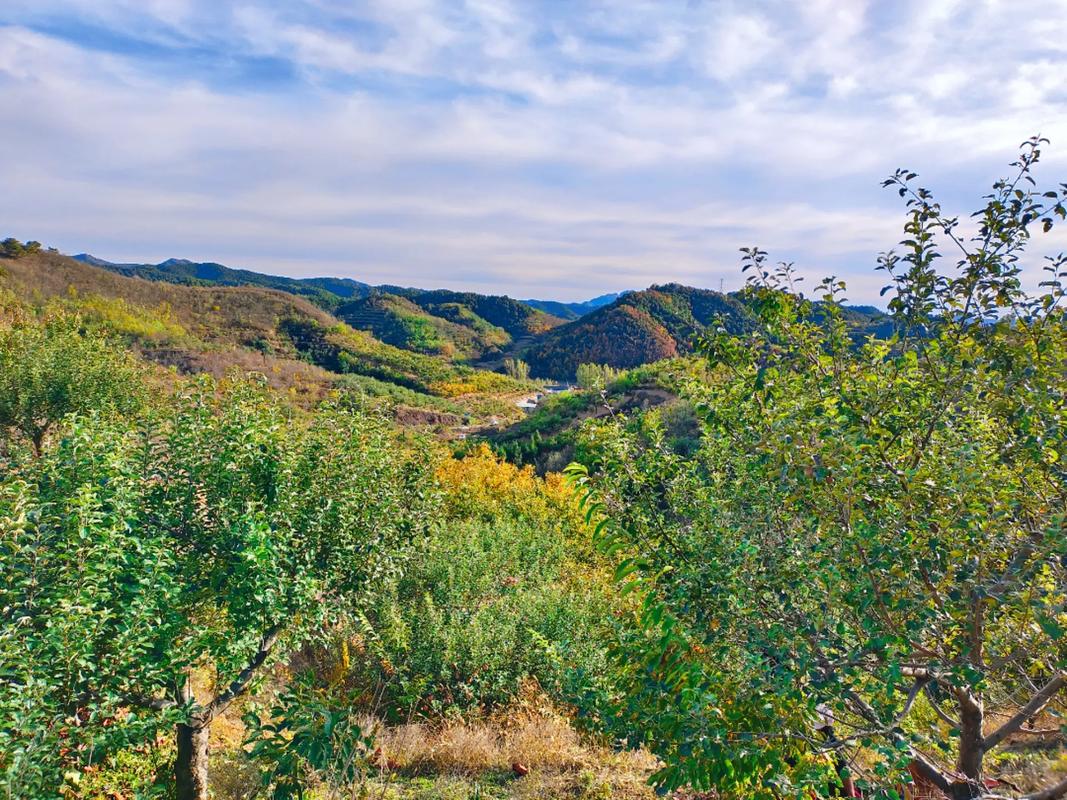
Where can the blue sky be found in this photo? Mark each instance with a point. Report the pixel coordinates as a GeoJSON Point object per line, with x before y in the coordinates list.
{"type": "Point", "coordinates": [553, 149]}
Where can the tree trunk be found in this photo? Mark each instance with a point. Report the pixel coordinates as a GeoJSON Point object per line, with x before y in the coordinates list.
{"type": "Point", "coordinates": [38, 442]}
{"type": "Point", "coordinates": [972, 751]}
{"type": "Point", "coordinates": [190, 767]}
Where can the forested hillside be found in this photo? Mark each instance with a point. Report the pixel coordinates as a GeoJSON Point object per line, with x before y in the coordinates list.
{"type": "Point", "coordinates": [296, 344]}
{"type": "Point", "coordinates": [327, 292]}
{"type": "Point", "coordinates": [659, 322]}
{"type": "Point", "coordinates": [619, 330]}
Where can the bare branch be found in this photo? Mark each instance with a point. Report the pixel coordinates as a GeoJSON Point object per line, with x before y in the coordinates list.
{"type": "Point", "coordinates": [1036, 704]}
{"type": "Point", "coordinates": [155, 703]}
{"type": "Point", "coordinates": [937, 710]}
{"type": "Point", "coordinates": [914, 693]}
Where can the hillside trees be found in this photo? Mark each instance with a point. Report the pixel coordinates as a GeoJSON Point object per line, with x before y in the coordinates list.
{"type": "Point", "coordinates": [195, 547]}
{"type": "Point", "coordinates": [875, 532]}
{"type": "Point", "coordinates": [596, 376]}
{"type": "Point", "coordinates": [517, 368]}
{"type": "Point", "coordinates": [13, 248]}
{"type": "Point", "coordinates": [51, 369]}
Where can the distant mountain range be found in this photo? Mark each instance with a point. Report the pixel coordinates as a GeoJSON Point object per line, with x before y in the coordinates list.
{"type": "Point", "coordinates": [323, 291]}
{"type": "Point", "coordinates": [623, 329]}
{"type": "Point", "coordinates": [456, 325]}
{"type": "Point", "coordinates": [569, 311]}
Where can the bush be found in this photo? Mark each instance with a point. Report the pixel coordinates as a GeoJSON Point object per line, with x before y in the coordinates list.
{"type": "Point", "coordinates": [506, 592]}
{"type": "Point", "coordinates": [488, 607]}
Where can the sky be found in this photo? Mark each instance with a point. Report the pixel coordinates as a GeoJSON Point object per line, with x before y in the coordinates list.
{"type": "Point", "coordinates": [555, 149]}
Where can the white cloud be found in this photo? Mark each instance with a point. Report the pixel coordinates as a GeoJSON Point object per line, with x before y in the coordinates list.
{"type": "Point", "coordinates": [481, 144]}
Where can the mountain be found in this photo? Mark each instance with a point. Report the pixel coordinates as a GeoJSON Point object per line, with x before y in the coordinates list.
{"type": "Point", "coordinates": [636, 328]}
{"type": "Point", "coordinates": [198, 326]}
{"type": "Point", "coordinates": [622, 330]}
{"type": "Point", "coordinates": [452, 330]}
{"type": "Point", "coordinates": [569, 311]}
{"type": "Point", "coordinates": [459, 325]}
{"type": "Point", "coordinates": [519, 319]}
{"type": "Point", "coordinates": [325, 292]}
{"type": "Point", "coordinates": [659, 322]}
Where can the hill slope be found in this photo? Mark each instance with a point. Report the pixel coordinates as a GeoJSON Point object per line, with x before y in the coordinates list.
{"type": "Point", "coordinates": [210, 328]}
{"type": "Point", "coordinates": [453, 324]}
{"type": "Point", "coordinates": [463, 325]}
{"type": "Point", "coordinates": [637, 328]}
{"type": "Point", "coordinates": [659, 322]}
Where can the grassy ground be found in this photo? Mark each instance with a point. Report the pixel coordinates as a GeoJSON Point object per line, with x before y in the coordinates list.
{"type": "Point", "coordinates": [474, 760]}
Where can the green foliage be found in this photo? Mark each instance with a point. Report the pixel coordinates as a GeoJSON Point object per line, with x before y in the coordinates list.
{"type": "Point", "coordinates": [366, 386]}
{"type": "Point", "coordinates": [874, 529]}
{"type": "Point", "coordinates": [13, 248]}
{"type": "Point", "coordinates": [307, 738]}
{"type": "Point", "coordinates": [596, 376]}
{"type": "Point", "coordinates": [199, 537]}
{"type": "Point", "coordinates": [504, 594]}
{"type": "Point", "coordinates": [150, 326]}
{"type": "Point", "coordinates": [54, 368]}
{"type": "Point", "coordinates": [143, 772]}
{"type": "Point", "coordinates": [487, 607]}
{"type": "Point", "coordinates": [517, 369]}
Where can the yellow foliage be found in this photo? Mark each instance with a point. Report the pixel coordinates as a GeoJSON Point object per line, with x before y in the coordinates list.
{"type": "Point", "coordinates": [484, 485]}
{"type": "Point", "coordinates": [474, 383]}
{"type": "Point", "coordinates": [126, 319]}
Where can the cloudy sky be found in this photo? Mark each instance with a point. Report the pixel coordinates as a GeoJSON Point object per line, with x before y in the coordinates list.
{"type": "Point", "coordinates": [557, 149]}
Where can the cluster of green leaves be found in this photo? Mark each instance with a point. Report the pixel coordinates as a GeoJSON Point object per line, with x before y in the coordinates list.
{"type": "Point", "coordinates": [488, 607]}
{"type": "Point", "coordinates": [307, 737]}
{"type": "Point", "coordinates": [517, 368]}
{"type": "Point", "coordinates": [596, 376]}
{"type": "Point", "coordinates": [867, 530]}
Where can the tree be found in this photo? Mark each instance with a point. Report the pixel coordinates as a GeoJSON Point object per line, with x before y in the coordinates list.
{"type": "Point", "coordinates": [596, 376]}
{"type": "Point", "coordinates": [517, 369]}
{"type": "Point", "coordinates": [209, 540]}
{"type": "Point", "coordinates": [54, 368]}
{"type": "Point", "coordinates": [871, 531]}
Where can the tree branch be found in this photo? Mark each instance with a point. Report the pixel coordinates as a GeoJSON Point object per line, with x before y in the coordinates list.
{"type": "Point", "coordinates": [240, 683]}
{"type": "Point", "coordinates": [1052, 792]}
{"type": "Point", "coordinates": [912, 695]}
{"type": "Point", "coordinates": [925, 767]}
{"type": "Point", "coordinates": [937, 709]}
{"type": "Point", "coordinates": [1036, 704]}
{"type": "Point", "coordinates": [154, 703]}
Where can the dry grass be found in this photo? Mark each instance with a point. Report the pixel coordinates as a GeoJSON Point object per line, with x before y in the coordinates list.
{"type": "Point", "coordinates": [477, 757]}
